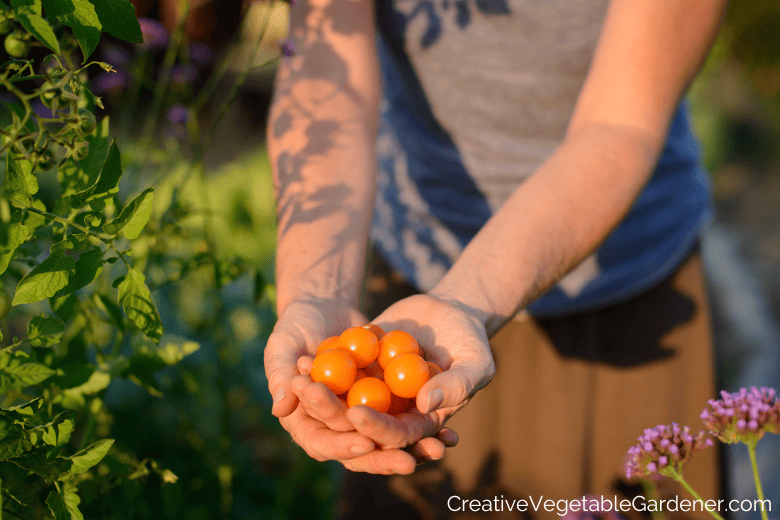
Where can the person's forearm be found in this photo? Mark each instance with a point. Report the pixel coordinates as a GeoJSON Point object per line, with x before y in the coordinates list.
{"type": "Point", "coordinates": [321, 136]}
{"type": "Point", "coordinates": [551, 222]}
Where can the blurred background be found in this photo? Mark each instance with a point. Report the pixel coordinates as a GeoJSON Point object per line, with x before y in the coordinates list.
{"type": "Point", "coordinates": [213, 426]}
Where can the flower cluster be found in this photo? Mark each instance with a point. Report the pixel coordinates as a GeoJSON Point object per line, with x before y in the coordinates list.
{"type": "Point", "coordinates": [743, 416]}
{"type": "Point", "coordinates": [663, 450]}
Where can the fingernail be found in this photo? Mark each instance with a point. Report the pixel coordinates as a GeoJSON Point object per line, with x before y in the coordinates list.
{"type": "Point", "coordinates": [435, 399]}
{"type": "Point", "coordinates": [359, 450]}
{"type": "Point", "coordinates": [360, 421]}
{"type": "Point", "coordinates": [316, 403]}
{"type": "Point", "coordinates": [278, 396]}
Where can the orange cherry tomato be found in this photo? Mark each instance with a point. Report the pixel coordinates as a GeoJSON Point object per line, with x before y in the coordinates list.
{"type": "Point", "coordinates": [336, 369]}
{"type": "Point", "coordinates": [399, 404]}
{"type": "Point", "coordinates": [328, 344]}
{"type": "Point", "coordinates": [406, 374]}
{"type": "Point", "coordinates": [361, 343]}
{"type": "Point", "coordinates": [374, 370]}
{"type": "Point", "coordinates": [370, 392]}
{"type": "Point", "coordinates": [376, 329]}
{"type": "Point", "coordinates": [433, 369]}
{"type": "Point", "coordinates": [394, 343]}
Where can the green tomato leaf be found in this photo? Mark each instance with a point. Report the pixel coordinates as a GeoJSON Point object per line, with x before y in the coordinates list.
{"type": "Point", "coordinates": [27, 409]}
{"type": "Point", "coordinates": [14, 443]}
{"type": "Point", "coordinates": [135, 298]}
{"type": "Point", "coordinates": [106, 184]}
{"type": "Point", "coordinates": [58, 7]}
{"type": "Point", "coordinates": [27, 6]}
{"type": "Point", "coordinates": [45, 280]}
{"type": "Point", "coordinates": [45, 331]}
{"type": "Point", "coordinates": [85, 24]}
{"type": "Point", "coordinates": [63, 306]}
{"type": "Point", "coordinates": [11, 237]}
{"type": "Point", "coordinates": [58, 431]}
{"type": "Point", "coordinates": [133, 218]}
{"type": "Point", "coordinates": [87, 268]}
{"type": "Point", "coordinates": [64, 505]}
{"type": "Point", "coordinates": [18, 375]}
{"type": "Point", "coordinates": [20, 183]}
{"type": "Point", "coordinates": [28, 13]}
{"type": "Point", "coordinates": [119, 20]}
{"type": "Point", "coordinates": [90, 456]}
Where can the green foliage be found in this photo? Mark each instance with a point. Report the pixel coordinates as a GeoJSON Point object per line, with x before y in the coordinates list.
{"type": "Point", "coordinates": [71, 277]}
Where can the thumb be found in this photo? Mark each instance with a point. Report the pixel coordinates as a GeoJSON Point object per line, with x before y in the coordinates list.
{"type": "Point", "coordinates": [281, 356]}
{"type": "Point", "coordinates": [453, 387]}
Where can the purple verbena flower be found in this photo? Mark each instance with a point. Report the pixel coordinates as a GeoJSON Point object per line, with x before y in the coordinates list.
{"type": "Point", "coordinates": [155, 34]}
{"type": "Point", "coordinates": [663, 450]}
{"type": "Point", "coordinates": [287, 48]}
{"type": "Point", "coordinates": [116, 55]}
{"type": "Point", "coordinates": [201, 53]}
{"type": "Point", "coordinates": [183, 74]}
{"type": "Point", "coordinates": [106, 81]}
{"type": "Point", "coordinates": [743, 416]}
{"type": "Point", "coordinates": [178, 114]}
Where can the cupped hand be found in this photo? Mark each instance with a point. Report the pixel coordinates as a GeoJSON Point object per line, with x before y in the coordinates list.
{"type": "Point", "coordinates": [452, 337]}
{"type": "Point", "coordinates": [315, 418]}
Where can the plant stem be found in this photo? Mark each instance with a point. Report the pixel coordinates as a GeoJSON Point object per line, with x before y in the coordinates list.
{"type": "Point", "coordinates": [679, 478]}
{"type": "Point", "coordinates": [162, 85]}
{"type": "Point", "coordinates": [759, 488]}
{"type": "Point", "coordinates": [652, 494]}
{"type": "Point", "coordinates": [64, 221]}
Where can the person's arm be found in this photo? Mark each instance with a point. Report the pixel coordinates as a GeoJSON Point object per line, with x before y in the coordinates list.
{"type": "Point", "coordinates": [648, 53]}
{"type": "Point", "coordinates": [321, 137]}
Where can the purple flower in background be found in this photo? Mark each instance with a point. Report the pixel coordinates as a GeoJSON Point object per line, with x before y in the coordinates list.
{"type": "Point", "coordinates": [116, 56]}
{"type": "Point", "coordinates": [287, 48]}
{"type": "Point", "coordinates": [183, 74]}
{"type": "Point", "coordinates": [201, 53]}
{"type": "Point", "coordinates": [178, 114]}
{"type": "Point", "coordinates": [591, 507]}
{"type": "Point", "coordinates": [743, 416]}
{"type": "Point", "coordinates": [107, 81]}
{"type": "Point", "coordinates": [42, 110]}
{"type": "Point", "coordinates": [663, 450]}
{"type": "Point", "coordinates": [155, 34]}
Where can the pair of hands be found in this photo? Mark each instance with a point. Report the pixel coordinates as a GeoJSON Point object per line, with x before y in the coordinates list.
{"type": "Point", "coordinates": [361, 438]}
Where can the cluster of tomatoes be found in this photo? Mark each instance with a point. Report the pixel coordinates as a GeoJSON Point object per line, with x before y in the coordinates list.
{"type": "Point", "coordinates": [382, 370]}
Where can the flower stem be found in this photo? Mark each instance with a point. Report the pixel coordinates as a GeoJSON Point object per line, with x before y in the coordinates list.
{"type": "Point", "coordinates": [759, 489]}
{"type": "Point", "coordinates": [679, 478]}
{"type": "Point", "coordinates": [652, 494]}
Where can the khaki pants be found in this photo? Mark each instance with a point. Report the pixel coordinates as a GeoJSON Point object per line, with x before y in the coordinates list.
{"type": "Point", "coordinates": [570, 396]}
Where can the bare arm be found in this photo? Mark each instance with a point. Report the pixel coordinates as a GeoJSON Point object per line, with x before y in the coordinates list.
{"type": "Point", "coordinates": [648, 53]}
{"type": "Point", "coordinates": [321, 139]}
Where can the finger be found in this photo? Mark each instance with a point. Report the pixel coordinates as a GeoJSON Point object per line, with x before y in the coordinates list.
{"type": "Point", "coordinates": [323, 405]}
{"type": "Point", "coordinates": [453, 387]}
{"type": "Point", "coordinates": [383, 462]}
{"type": "Point", "coordinates": [281, 355]}
{"type": "Point", "coordinates": [304, 365]}
{"type": "Point", "coordinates": [392, 431]}
{"type": "Point", "coordinates": [427, 449]}
{"type": "Point", "coordinates": [448, 437]}
{"type": "Point", "coordinates": [322, 443]}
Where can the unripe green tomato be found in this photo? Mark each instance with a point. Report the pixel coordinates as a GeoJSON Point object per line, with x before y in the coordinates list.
{"type": "Point", "coordinates": [5, 304]}
{"type": "Point", "coordinates": [46, 160]}
{"type": "Point", "coordinates": [15, 46]}
{"type": "Point", "coordinates": [87, 122]}
{"type": "Point", "coordinates": [82, 149]}
{"type": "Point", "coordinates": [5, 26]}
